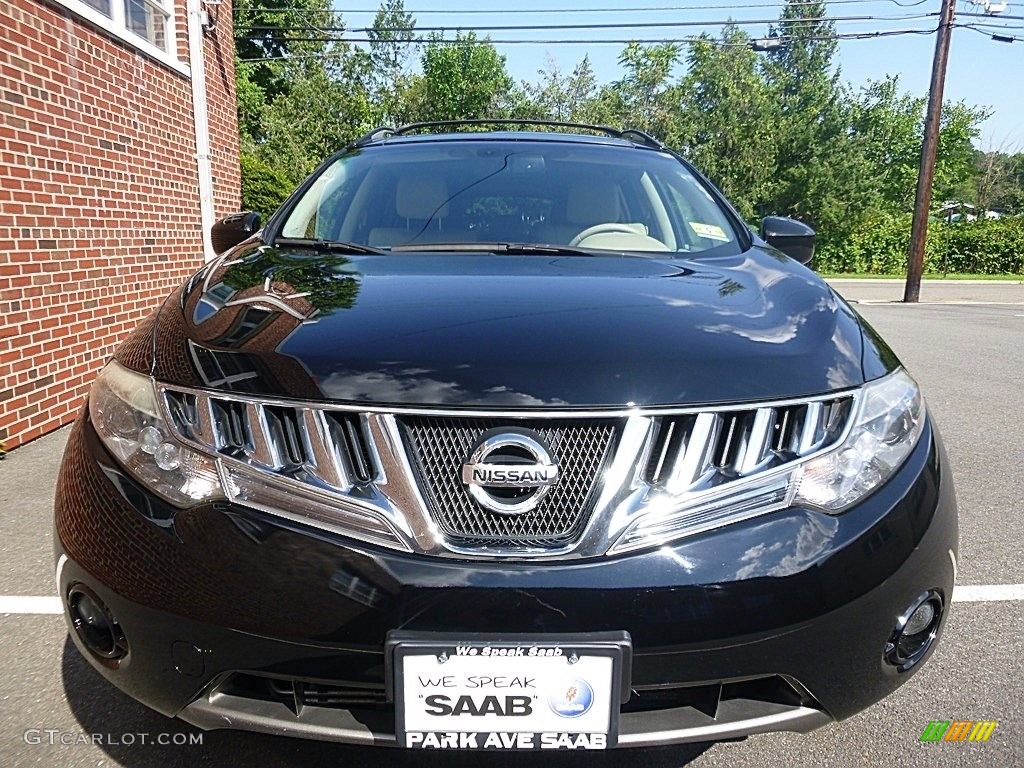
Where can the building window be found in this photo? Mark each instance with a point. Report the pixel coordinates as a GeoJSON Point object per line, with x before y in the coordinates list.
{"type": "Point", "coordinates": [146, 24]}
{"type": "Point", "coordinates": [103, 6]}
{"type": "Point", "coordinates": [148, 20]}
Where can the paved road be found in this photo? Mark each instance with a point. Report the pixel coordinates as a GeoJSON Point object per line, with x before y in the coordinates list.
{"type": "Point", "coordinates": [970, 360]}
{"type": "Point", "coordinates": [943, 291]}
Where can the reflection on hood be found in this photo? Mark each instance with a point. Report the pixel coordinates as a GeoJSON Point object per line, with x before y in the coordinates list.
{"type": "Point", "coordinates": [397, 386]}
{"type": "Point", "coordinates": [807, 540]}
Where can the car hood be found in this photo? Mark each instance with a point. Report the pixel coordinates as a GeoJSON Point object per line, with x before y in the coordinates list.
{"type": "Point", "coordinates": [458, 330]}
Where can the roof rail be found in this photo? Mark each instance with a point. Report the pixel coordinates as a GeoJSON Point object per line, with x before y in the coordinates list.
{"type": "Point", "coordinates": [376, 133]}
{"type": "Point", "coordinates": [638, 137]}
{"type": "Point", "coordinates": [644, 138]}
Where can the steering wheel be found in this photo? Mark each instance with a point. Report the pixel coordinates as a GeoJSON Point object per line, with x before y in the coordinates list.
{"type": "Point", "coordinates": [600, 229]}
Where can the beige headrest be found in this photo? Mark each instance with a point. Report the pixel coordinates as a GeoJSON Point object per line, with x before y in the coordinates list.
{"type": "Point", "coordinates": [592, 203]}
{"type": "Point", "coordinates": [421, 197]}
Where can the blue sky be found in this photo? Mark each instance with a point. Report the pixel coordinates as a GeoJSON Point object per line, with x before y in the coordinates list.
{"type": "Point", "coordinates": [981, 70]}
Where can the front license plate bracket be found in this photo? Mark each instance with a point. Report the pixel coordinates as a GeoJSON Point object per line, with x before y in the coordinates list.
{"type": "Point", "coordinates": [479, 691]}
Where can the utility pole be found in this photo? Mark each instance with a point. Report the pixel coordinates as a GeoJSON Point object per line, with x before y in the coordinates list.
{"type": "Point", "coordinates": [923, 201]}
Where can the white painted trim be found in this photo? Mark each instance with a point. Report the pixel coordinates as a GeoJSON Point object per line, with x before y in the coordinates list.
{"type": "Point", "coordinates": [201, 120]}
{"type": "Point", "coordinates": [116, 27]}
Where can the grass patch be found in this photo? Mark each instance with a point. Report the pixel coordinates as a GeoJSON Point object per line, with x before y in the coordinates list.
{"type": "Point", "coordinates": [869, 276]}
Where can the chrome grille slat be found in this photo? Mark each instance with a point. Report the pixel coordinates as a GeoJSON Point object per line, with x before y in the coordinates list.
{"type": "Point", "coordinates": [263, 450]}
{"type": "Point", "coordinates": [697, 456]}
{"type": "Point", "coordinates": [362, 469]}
{"type": "Point", "coordinates": [663, 453]}
{"type": "Point", "coordinates": [755, 451]}
{"type": "Point", "coordinates": [327, 465]}
{"type": "Point", "coordinates": [809, 433]}
{"type": "Point", "coordinates": [725, 449]}
{"type": "Point", "coordinates": [205, 430]}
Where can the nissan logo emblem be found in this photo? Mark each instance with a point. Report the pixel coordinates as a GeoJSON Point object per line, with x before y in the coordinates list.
{"type": "Point", "coordinates": [509, 471]}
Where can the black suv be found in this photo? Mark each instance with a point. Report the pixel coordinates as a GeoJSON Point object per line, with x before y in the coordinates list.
{"type": "Point", "coordinates": [511, 440]}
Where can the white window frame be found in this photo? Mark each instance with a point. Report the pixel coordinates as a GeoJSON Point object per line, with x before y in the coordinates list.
{"type": "Point", "coordinates": [117, 25]}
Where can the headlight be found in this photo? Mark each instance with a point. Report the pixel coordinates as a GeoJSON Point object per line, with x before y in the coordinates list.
{"type": "Point", "coordinates": [125, 412]}
{"type": "Point", "coordinates": [886, 428]}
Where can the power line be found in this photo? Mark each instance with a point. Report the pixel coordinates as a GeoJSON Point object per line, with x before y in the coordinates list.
{"type": "Point", "coordinates": [616, 41]}
{"type": "Point", "coordinates": [618, 9]}
{"type": "Point", "coordinates": [598, 25]}
{"type": "Point", "coordinates": [622, 41]}
{"type": "Point", "coordinates": [995, 35]}
{"type": "Point", "coordinates": [992, 16]}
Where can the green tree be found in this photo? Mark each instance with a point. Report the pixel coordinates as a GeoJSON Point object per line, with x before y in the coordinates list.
{"type": "Point", "coordinates": [559, 96]}
{"type": "Point", "coordinates": [302, 92]}
{"type": "Point", "coordinates": [645, 97]}
{"type": "Point", "coordinates": [463, 79]}
{"type": "Point", "coordinates": [728, 119]}
{"type": "Point", "coordinates": [824, 175]}
{"type": "Point", "coordinates": [389, 55]}
{"type": "Point", "coordinates": [887, 126]}
{"type": "Point", "coordinates": [324, 110]}
{"type": "Point", "coordinates": [954, 161]}
{"type": "Point", "coordinates": [267, 34]}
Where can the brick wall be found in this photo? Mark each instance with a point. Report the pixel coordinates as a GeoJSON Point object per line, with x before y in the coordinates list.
{"type": "Point", "coordinates": [99, 201]}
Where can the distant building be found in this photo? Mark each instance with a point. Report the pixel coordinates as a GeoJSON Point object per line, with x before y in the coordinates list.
{"type": "Point", "coordinates": [118, 143]}
{"type": "Point", "coordinates": [954, 211]}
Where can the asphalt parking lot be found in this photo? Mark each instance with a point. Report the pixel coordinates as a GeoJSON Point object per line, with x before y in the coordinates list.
{"type": "Point", "coordinates": [968, 356]}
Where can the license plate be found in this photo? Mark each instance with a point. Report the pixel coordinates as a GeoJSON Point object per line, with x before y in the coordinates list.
{"type": "Point", "coordinates": [518, 693]}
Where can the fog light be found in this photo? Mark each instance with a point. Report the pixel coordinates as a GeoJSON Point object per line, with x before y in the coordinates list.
{"type": "Point", "coordinates": [920, 619]}
{"type": "Point", "coordinates": [915, 632]}
{"type": "Point", "coordinates": [94, 625]}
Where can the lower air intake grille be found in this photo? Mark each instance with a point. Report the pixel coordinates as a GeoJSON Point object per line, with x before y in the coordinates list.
{"type": "Point", "coordinates": [439, 446]}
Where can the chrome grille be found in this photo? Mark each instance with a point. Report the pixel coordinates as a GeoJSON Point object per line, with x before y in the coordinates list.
{"type": "Point", "coordinates": [439, 446]}
{"type": "Point", "coordinates": [700, 450]}
{"type": "Point", "coordinates": [394, 478]}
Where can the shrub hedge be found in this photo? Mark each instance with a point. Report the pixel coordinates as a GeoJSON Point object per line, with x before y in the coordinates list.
{"type": "Point", "coordinates": [987, 247]}
{"type": "Point", "coordinates": [264, 188]}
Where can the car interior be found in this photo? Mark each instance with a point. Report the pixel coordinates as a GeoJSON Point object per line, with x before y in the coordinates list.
{"type": "Point", "coordinates": [510, 199]}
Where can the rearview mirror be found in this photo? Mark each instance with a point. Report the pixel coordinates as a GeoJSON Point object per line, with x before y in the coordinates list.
{"type": "Point", "coordinates": [792, 237]}
{"type": "Point", "coordinates": [233, 229]}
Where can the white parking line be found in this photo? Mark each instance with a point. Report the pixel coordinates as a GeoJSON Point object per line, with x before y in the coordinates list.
{"type": "Point", "coordinates": [43, 605]}
{"type": "Point", "coordinates": [988, 593]}
{"type": "Point", "coordinates": [30, 604]}
{"type": "Point", "coordinates": [942, 303]}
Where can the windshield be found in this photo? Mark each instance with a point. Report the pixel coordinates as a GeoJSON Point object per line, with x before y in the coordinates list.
{"type": "Point", "coordinates": [581, 195]}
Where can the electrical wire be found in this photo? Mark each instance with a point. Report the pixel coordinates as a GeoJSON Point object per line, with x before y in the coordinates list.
{"type": "Point", "coordinates": [616, 41]}
{"type": "Point", "coordinates": [619, 9]}
{"type": "Point", "coordinates": [600, 25]}
{"type": "Point", "coordinates": [622, 41]}
{"type": "Point", "coordinates": [999, 17]}
{"type": "Point", "coordinates": [991, 33]}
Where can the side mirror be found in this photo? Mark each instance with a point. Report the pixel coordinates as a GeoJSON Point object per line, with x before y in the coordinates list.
{"type": "Point", "coordinates": [792, 237]}
{"type": "Point", "coordinates": [233, 229]}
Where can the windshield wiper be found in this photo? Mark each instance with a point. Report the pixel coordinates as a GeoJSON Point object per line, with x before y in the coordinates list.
{"type": "Point", "coordinates": [512, 249]}
{"type": "Point", "coordinates": [338, 246]}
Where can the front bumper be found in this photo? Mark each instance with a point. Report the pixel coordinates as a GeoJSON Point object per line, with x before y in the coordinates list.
{"type": "Point", "coordinates": [776, 623]}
